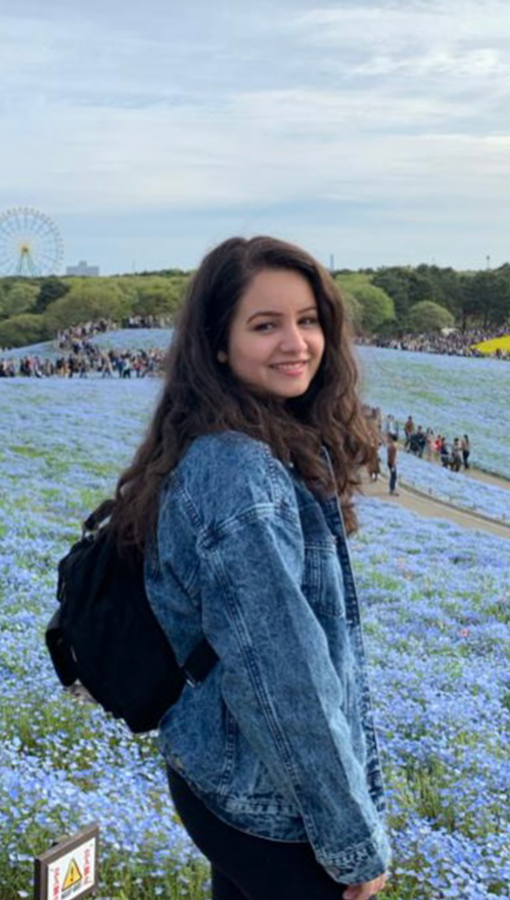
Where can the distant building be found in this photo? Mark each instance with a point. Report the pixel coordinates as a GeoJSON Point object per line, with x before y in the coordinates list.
{"type": "Point", "coordinates": [83, 269]}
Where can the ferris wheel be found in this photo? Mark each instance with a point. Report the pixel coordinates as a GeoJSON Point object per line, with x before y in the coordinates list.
{"type": "Point", "coordinates": [30, 243]}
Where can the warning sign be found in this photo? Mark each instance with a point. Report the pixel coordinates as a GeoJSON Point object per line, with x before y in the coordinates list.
{"type": "Point", "coordinates": [73, 876]}
{"type": "Point", "coordinates": [69, 869]}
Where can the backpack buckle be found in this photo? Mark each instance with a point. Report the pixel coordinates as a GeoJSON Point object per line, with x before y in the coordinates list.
{"type": "Point", "coordinates": [191, 680]}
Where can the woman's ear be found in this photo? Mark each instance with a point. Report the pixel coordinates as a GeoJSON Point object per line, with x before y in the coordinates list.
{"type": "Point", "coordinates": [221, 356]}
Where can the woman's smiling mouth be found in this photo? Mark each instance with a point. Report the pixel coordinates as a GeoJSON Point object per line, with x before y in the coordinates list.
{"type": "Point", "coordinates": [291, 368]}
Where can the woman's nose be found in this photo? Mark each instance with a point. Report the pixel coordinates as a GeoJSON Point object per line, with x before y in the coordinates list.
{"type": "Point", "coordinates": [293, 339]}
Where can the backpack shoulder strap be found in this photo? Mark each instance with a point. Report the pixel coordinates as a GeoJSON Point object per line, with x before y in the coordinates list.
{"type": "Point", "coordinates": [99, 515]}
{"type": "Point", "coordinates": [199, 663]}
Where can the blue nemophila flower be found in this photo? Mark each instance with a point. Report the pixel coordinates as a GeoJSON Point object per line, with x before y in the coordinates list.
{"type": "Point", "coordinates": [436, 481]}
{"type": "Point", "coordinates": [435, 390]}
{"type": "Point", "coordinates": [436, 603]}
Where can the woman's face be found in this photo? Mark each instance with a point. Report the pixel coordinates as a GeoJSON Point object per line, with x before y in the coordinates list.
{"type": "Point", "coordinates": [276, 342]}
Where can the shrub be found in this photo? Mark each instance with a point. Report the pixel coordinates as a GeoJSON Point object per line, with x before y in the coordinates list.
{"type": "Point", "coordinates": [375, 304]}
{"type": "Point", "coordinates": [88, 299]}
{"type": "Point", "coordinates": [428, 316]}
{"type": "Point", "coordinates": [17, 298]}
{"type": "Point", "coordinates": [19, 331]}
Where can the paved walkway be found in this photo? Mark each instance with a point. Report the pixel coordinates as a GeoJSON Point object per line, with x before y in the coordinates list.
{"type": "Point", "coordinates": [424, 505]}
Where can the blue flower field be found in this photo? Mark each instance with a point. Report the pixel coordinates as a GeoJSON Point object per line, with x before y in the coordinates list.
{"type": "Point", "coordinates": [453, 487]}
{"type": "Point", "coordinates": [64, 764]}
{"type": "Point", "coordinates": [437, 614]}
{"type": "Point", "coordinates": [454, 395]}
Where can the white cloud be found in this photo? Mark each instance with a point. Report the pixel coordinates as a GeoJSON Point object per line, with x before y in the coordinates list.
{"type": "Point", "coordinates": [435, 50]}
{"type": "Point", "coordinates": [402, 25]}
{"type": "Point", "coordinates": [400, 109]}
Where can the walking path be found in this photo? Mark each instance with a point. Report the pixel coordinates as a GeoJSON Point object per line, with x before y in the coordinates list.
{"type": "Point", "coordinates": [430, 507]}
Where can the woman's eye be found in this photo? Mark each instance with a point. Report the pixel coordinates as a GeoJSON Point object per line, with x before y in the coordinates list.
{"type": "Point", "coordinates": [306, 322]}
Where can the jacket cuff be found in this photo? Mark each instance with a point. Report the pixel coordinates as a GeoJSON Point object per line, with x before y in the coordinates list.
{"type": "Point", "coordinates": [361, 862]}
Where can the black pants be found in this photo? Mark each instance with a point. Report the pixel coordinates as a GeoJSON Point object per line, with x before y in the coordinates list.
{"type": "Point", "coordinates": [245, 867]}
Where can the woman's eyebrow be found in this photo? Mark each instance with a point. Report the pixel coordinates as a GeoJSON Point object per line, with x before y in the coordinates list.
{"type": "Point", "coordinates": [272, 312]}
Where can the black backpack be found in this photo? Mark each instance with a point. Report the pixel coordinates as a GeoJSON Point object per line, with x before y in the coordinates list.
{"type": "Point", "coordinates": [105, 635]}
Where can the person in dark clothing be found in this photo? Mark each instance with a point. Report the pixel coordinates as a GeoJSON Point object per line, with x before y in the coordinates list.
{"type": "Point", "coordinates": [391, 458]}
{"type": "Point", "coordinates": [420, 441]}
{"type": "Point", "coordinates": [444, 454]}
{"type": "Point", "coordinates": [466, 450]}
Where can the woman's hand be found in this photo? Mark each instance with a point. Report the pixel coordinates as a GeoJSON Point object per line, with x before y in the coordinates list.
{"type": "Point", "coordinates": [366, 890]}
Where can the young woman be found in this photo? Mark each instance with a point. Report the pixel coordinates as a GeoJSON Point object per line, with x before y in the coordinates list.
{"type": "Point", "coordinates": [272, 760]}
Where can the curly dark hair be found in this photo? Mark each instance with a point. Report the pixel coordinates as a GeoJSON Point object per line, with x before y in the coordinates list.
{"type": "Point", "coordinates": [201, 396]}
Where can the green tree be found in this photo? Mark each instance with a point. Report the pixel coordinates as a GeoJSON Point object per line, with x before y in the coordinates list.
{"type": "Point", "coordinates": [448, 292]}
{"type": "Point", "coordinates": [159, 295]}
{"type": "Point", "coordinates": [469, 301]}
{"type": "Point", "coordinates": [16, 298]}
{"type": "Point", "coordinates": [376, 306]}
{"type": "Point", "coordinates": [20, 331]}
{"type": "Point", "coordinates": [51, 289]}
{"type": "Point", "coordinates": [444, 286]}
{"type": "Point", "coordinates": [421, 285]}
{"type": "Point", "coordinates": [426, 317]}
{"type": "Point", "coordinates": [485, 298]}
{"type": "Point", "coordinates": [407, 286]}
{"type": "Point", "coordinates": [500, 306]}
{"type": "Point", "coordinates": [352, 306]}
{"type": "Point", "coordinates": [394, 281]}
{"type": "Point", "coordinates": [353, 310]}
{"type": "Point", "coordinates": [88, 299]}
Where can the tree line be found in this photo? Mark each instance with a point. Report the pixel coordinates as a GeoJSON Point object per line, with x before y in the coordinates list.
{"type": "Point", "coordinates": [389, 301]}
{"type": "Point", "coordinates": [34, 310]}
{"type": "Point", "coordinates": [424, 299]}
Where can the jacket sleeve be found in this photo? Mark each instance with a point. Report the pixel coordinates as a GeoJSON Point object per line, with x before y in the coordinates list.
{"type": "Point", "coordinates": [282, 688]}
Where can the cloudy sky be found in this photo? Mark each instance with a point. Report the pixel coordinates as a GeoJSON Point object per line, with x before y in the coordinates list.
{"type": "Point", "coordinates": [373, 132]}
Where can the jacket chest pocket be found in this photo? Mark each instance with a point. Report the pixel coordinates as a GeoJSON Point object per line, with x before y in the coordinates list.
{"type": "Point", "coordinates": [322, 579]}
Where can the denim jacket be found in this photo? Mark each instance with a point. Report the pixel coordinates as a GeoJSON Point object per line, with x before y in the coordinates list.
{"type": "Point", "coordinates": [278, 740]}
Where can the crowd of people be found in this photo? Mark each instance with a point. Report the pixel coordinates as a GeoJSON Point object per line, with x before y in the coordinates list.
{"type": "Point", "coordinates": [74, 337]}
{"type": "Point", "coordinates": [83, 356]}
{"type": "Point", "coordinates": [453, 455]}
{"type": "Point", "coordinates": [421, 442]}
{"type": "Point", "coordinates": [454, 343]}
{"type": "Point", "coordinates": [88, 358]}
{"type": "Point", "coordinates": [77, 336]}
